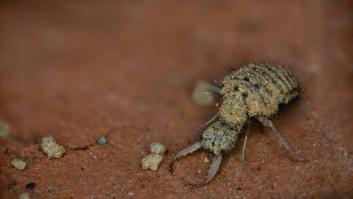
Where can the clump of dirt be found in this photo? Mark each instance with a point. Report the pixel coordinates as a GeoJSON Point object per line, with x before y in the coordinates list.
{"type": "Point", "coordinates": [152, 161]}
{"type": "Point", "coordinates": [51, 148]}
{"type": "Point", "coordinates": [202, 93]}
{"type": "Point", "coordinates": [18, 164]}
{"type": "Point", "coordinates": [158, 148]}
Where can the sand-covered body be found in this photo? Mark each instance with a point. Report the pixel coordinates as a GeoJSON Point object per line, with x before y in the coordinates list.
{"type": "Point", "coordinates": [256, 90]}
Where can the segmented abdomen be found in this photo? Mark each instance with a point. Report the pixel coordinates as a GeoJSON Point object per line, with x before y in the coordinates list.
{"type": "Point", "coordinates": [260, 88]}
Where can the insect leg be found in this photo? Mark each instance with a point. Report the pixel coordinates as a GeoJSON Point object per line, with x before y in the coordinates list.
{"type": "Point", "coordinates": [214, 168]}
{"type": "Point", "coordinates": [213, 88]}
{"type": "Point", "coordinates": [266, 122]}
{"type": "Point", "coordinates": [246, 138]}
{"type": "Point", "coordinates": [210, 121]}
{"type": "Point", "coordinates": [185, 152]}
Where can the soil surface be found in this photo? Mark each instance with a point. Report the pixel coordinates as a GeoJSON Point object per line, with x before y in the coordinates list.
{"type": "Point", "coordinates": [126, 69]}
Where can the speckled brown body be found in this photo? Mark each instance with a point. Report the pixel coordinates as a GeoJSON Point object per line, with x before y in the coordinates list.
{"type": "Point", "coordinates": [254, 91]}
{"type": "Point", "coordinates": [219, 137]}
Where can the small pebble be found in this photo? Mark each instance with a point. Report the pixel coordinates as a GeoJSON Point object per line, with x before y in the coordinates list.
{"type": "Point", "coordinates": [158, 148]}
{"type": "Point", "coordinates": [152, 162]}
{"type": "Point", "coordinates": [51, 148]}
{"type": "Point", "coordinates": [4, 129]}
{"type": "Point", "coordinates": [201, 94]}
{"type": "Point", "coordinates": [101, 140]}
{"type": "Point", "coordinates": [206, 160]}
{"type": "Point", "coordinates": [18, 164]}
{"type": "Point", "coordinates": [24, 195]}
{"type": "Point", "coordinates": [53, 188]}
{"type": "Point", "coordinates": [30, 186]}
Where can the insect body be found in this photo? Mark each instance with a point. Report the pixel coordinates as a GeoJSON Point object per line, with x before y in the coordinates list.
{"type": "Point", "coordinates": [254, 91]}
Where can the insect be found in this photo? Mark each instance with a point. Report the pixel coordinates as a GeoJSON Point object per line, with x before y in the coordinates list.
{"type": "Point", "coordinates": [255, 91]}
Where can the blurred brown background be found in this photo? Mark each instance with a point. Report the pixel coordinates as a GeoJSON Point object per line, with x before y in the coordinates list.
{"type": "Point", "coordinates": [75, 69]}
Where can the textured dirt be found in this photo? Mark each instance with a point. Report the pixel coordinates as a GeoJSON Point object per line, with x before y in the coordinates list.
{"type": "Point", "coordinates": [79, 70]}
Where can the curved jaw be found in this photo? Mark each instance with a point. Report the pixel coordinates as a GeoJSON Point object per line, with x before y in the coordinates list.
{"type": "Point", "coordinates": [211, 172]}
{"type": "Point", "coordinates": [184, 152]}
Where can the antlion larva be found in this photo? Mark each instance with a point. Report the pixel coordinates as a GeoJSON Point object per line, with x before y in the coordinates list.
{"type": "Point", "coordinates": [254, 91]}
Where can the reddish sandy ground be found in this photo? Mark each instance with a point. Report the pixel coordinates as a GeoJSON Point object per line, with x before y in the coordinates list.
{"type": "Point", "coordinates": [77, 69]}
